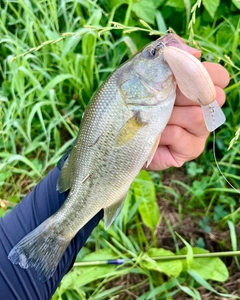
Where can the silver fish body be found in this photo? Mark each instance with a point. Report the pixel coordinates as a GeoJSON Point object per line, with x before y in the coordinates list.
{"type": "Point", "coordinates": [118, 135]}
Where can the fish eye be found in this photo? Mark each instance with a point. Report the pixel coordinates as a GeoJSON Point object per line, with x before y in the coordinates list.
{"type": "Point", "coordinates": [150, 52]}
{"type": "Point", "coordinates": [153, 52]}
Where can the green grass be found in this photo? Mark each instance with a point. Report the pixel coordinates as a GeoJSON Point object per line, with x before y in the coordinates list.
{"type": "Point", "coordinates": [43, 95]}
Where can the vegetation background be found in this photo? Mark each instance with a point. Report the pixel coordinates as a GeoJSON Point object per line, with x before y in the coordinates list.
{"type": "Point", "coordinates": [43, 93]}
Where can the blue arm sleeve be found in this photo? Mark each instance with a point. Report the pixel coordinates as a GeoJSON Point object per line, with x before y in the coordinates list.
{"type": "Point", "coordinates": [15, 282]}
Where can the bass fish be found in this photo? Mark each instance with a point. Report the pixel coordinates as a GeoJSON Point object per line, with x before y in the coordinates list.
{"type": "Point", "coordinates": [118, 135]}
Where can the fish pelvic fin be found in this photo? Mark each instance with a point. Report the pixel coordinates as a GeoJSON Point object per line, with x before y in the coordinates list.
{"type": "Point", "coordinates": [63, 183]}
{"type": "Point", "coordinates": [41, 249]}
{"type": "Point", "coordinates": [153, 151]}
{"type": "Point", "coordinates": [111, 212]}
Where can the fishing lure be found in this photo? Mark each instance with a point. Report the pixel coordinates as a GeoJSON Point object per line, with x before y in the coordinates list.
{"type": "Point", "coordinates": [195, 83]}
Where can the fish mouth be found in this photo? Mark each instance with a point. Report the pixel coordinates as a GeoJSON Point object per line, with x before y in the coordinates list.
{"type": "Point", "coordinates": [174, 40]}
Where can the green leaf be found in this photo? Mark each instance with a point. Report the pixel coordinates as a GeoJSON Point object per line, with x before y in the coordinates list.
{"type": "Point", "coordinates": [193, 169]}
{"type": "Point", "coordinates": [26, 161]}
{"type": "Point", "coordinates": [80, 276]}
{"type": "Point", "coordinates": [204, 224]}
{"type": "Point", "coordinates": [170, 268]}
{"type": "Point", "coordinates": [191, 292]}
{"type": "Point", "coordinates": [160, 290]}
{"type": "Point", "coordinates": [209, 267]}
{"type": "Point", "coordinates": [160, 22]}
{"type": "Point", "coordinates": [158, 3]}
{"type": "Point", "coordinates": [116, 3]}
{"type": "Point", "coordinates": [179, 4]}
{"type": "Point", "coordinates": [84, 275]}
{"type": "Point", "coordinates": [144, 192]}
{"type": "Point", "coordinates": [71, 44]}
{"type": "Point", "coordinates": [189, 251]}
{"type": "Point", "coordinates": [207, 286]}
{"type": "Point", "coordinates": [211, 6]}
{"type": "Point", "coordinates": [56, 80]}
{"type": "Point", "coordinates": [219, 213]}
{"type": "Point", "coordinates": [4, 176]}
{"type": "Point", "coordinates": [100, 254]}
{"type": "Point", "coordinates": [145, 9]}
{"type": "Point", "coordinates": [237, 3]}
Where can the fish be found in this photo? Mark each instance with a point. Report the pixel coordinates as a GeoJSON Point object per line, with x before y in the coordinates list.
{"type": "Point", "coordinates": [119, 135]}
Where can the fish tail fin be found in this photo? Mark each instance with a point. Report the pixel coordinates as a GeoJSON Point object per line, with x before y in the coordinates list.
{"type": "Point", "coordinates": [41, 249]}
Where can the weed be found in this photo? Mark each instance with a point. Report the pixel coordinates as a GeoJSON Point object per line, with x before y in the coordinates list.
{"type": "Point", "coordinates": [54, 56]}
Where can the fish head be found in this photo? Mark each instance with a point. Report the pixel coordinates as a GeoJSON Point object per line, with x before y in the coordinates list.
{"type": "Point", "coordinates": [146, 79]}
{"type": "Point", "coordinates": [152, 66]}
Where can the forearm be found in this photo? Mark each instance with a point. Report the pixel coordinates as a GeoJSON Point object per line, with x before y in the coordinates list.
{"type": "Point", "coordinates": [37, 206]}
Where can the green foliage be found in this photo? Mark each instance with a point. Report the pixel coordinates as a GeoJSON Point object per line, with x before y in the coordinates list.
{"type": "Point", "coordinates": [170, 268]}
{"type": "Point", "coordinates": [144, 193]}
{"type": "Point", "coordinates": [208, 268]}
{"type": "Point", "coordinates": [54, 56]}
{"type": "Point", "coordinates": [211, 6]}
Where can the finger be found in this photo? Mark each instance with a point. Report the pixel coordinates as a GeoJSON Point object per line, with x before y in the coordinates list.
{"type": "Point", "coordinates": [220, 95]}
{"type": "Point", "coordinates": [181, 141]}
{"type": "Point", "coordinates": [163, 160]}
{"type": "Point", "coordinates": [176, 147]}
{"type": "Point", "coordinates": [189, 118]}
{"type": "Point", "coordinates": [218, 73]}
{"type": "Point", "coordinates": [183, 145]}
{"type": "Point", "coordinates": [181, 100]}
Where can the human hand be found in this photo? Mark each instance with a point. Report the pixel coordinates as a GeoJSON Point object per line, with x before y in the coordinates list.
{"type": "Point", "coordinates": [185, 136]}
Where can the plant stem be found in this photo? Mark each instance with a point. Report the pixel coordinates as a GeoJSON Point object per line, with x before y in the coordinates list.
{"type": "Point", "coordinates": [158, 258]}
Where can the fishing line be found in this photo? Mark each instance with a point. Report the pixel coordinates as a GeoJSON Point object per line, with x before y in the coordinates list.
{"type": "Point", "coordinates": [217, 164]}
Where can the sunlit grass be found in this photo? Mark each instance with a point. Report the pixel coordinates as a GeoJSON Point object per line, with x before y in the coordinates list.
{"type": "Point", "coordinates": [54, 56]}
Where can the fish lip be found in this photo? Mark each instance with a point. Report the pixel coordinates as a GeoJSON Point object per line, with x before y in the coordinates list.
{"type": "Point", "coordinates": [174, 40]}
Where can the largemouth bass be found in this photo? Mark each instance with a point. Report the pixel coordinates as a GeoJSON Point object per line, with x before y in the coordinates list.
{"type": "Point", "coordinates": [118, 135]}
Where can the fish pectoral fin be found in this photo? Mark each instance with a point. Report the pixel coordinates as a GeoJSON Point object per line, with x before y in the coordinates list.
{"type": "Point", "coordinates": [63, 183]}
{"type": "Point", "coordinates": [129, 130]}
{"type": "Point", "coordinates": [153, 151]}
{"type": "Point", "coordinates": [111, 212]}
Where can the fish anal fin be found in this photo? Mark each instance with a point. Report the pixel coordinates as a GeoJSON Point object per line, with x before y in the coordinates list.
{"type": "Point", "coordinates": [129, 130]}
{"type": "Point", "coordinates": [63, 183]}
{"type": "Point", "coordinates": [111, 212]}
{"type": "Point", "coordinates": [153, 151]}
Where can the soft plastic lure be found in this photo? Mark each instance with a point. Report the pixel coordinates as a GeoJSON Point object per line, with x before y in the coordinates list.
{"type": "Point", "coordinates": [195, 83]}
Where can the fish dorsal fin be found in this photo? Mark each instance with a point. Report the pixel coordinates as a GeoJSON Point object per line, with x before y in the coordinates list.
{"type": "Point", "coordinates": [63, 183]}
{"type": "Point", "coordinates": [153, 151]}
{"type": "Point", "coordinates": [111, 212]}
{"type": "Point", "coordinates": [129, 130]}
